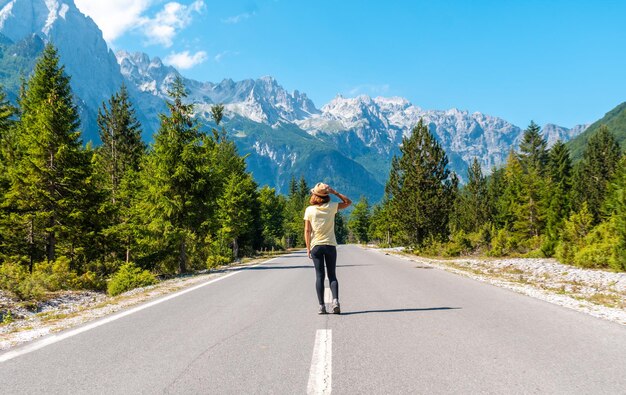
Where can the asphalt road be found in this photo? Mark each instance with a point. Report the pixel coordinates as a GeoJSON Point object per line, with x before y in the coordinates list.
{"type": "Point", "coordinates": [403, 329]}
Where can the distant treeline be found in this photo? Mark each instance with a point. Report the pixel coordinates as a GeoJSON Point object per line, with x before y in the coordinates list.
{"type": "Point", "coordinates": [538, 205]}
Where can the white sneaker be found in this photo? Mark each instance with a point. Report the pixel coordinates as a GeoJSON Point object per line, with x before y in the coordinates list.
{"type": "Point", "coordinates": [336, 308]}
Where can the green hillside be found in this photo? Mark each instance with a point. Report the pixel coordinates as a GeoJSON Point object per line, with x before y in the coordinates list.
{"type": "Point", "coordinates": [615, 120]}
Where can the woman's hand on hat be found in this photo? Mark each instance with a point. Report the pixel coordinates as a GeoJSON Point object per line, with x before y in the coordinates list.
{"type": "Point", "coordinates": [331, 190]}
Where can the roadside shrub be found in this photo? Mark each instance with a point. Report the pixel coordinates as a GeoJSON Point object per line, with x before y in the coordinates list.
{"type": "Point", "coordinates": [91, 280]}
{"type": "Point", "coordinates": [503, 243]}
{"type": "Point", "coordinates": [46, 277]}
{"type": "Point", "coordinates": [548, 248]}
{"type": "Point", "coordinates": [55, 275]}
{"type": "Point", "coordinates": [31, 288]}
{"type": "Point", "coordinates": [600, 248]}
{"type": "Point", "coordinates": [432, 247]}
{"type": "Point", "coordinates": [218, 260]}
{"type": "Point", "coordinates": [129, 277]}
{"type": "Point", "coordinates": [534, 247]}
{"type": "Point", "coordinates": [575, 229]}
{"type": "Point", "coordinates": [11, 276]}
{"type": "Point", "coordinates": [14, 277]}
{"type": "Point", "coordinates": [459, 244]}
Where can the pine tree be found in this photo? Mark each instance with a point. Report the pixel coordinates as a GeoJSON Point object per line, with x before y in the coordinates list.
{"type": "Point", "coordinates": [297, 201]}
{"type": "Point", "coordinates": [272, 213]}
{"type": "Point", "coordinates": [236, 207]}
{"type": "Point", "coordinates": [495, 189]}
{"type": "Point", "coordinates": [7, 137]}
{"type": "Point", "coordinates": [7, 123]}
{"type": "Point", "coordinates": [176, 184]}
{"type": "Point", "coordinates": [7, 112]}
{"type": "Point", "coordinates": [50, 176]}
{"type": "Point", "coordinates": [534, 159]}
{"type": "Point", "coordinates": [293, 186]}
{"type": "Point", "coordinates": [420, 187]}
{"type": "Point", "coordinates": [599, 163]}
{"type": "Point", "coordinates": [513, 198]}
{"type": "Point", "coordinates": [240, 224]}
{"type": "Point", "coordinates": [341, 230]}
{"type": "Point", "coordinates": [615, 207]}
{"type": "Point", "coordinates": [533, 150]}
{"type": "Point", "coordinates": [559, 191]}
{"type": "Point", "coordinates": [472, 205]}
{"type": "Point", "coordinates": [359, 221]}
{"type": "Point", "coordinates": [122, 148]}
{"type": "Point", "coordinates": [118, 161]}
{"type": "Point", "coordinates": [381, 225]}
{"type": "Point", "coordinates": [303, 190]}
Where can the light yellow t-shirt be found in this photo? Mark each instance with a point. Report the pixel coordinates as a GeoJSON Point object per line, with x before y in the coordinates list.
{"type": "Point", "coordinates": [322, 220]}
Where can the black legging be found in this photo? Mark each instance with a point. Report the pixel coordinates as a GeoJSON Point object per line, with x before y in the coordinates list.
{"type": "Point", "coordinates": [320, 254]}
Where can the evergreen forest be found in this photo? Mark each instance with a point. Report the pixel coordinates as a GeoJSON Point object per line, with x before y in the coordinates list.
{"type": "Point", "coordinates": [540, 204]}
{"type": "Point", "coordinates": [124, 213]}
{"type": "Point", "coordinates": [117, 216]}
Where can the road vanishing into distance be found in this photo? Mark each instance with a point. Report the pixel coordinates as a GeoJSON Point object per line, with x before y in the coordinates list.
{"type": "Point", "coordinates": [403, 329]}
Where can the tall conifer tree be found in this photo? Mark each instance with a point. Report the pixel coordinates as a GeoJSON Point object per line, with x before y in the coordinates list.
{"type": "Point", "coordinates": [7, 133]}
{"type": "Point", "coordinates": [118, 159]}
{"type": "Point", "coordinates": [615, 208]}
{"type": "Point", "coordinates": [237, 208]}
{"type": "Point", "coordinates": [359, 220]}
{"type": "Point", "coordinates": [7, 123]}
{"type": "Point", "coordinates": [49, 180]}
{"type": "Point", "coordinates": [533, 150]}
{"type": "Point", "coordinates": [176, 183]}
{"type": "Point", "coordinates": [120, 133]}
{"type": "Point", "coordinates": [472, 205]}
{"type": "Point", "coordinates": [272, 213]}
{"type": "Point", "coordinates": [420, 187]}
{"type": "Point", "coordinates": [559, 191]}
{"type": "Point", "coordinates": [599, 163]}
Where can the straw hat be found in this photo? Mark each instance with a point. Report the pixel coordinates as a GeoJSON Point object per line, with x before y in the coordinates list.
{"type": "Point", "coordinates": [321, 189]}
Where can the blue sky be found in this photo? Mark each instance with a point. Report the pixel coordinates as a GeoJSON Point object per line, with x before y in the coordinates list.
{"type": "Point", "coordinates": [561, 62]}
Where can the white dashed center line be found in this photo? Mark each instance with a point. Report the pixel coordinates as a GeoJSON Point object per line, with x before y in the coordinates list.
{"type": "Point", "coordinates": [321, 363]}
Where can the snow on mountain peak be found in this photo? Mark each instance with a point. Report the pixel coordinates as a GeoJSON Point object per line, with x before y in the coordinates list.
{"type": "Point", "coordinates": [262, 100]}
{"type": "Point", "coordinates": [84, 53]}
{"type": "Point", "coordinates": [20, 18]}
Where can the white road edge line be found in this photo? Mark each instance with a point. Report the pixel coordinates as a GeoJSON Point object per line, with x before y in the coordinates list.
{"type": "Point", "coordinates": [73, 332]}
{"type": "Point", "coordinates": [320, 375]}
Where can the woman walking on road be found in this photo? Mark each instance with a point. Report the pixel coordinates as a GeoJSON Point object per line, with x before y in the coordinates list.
{"type": "Point", "coordinates": [321, 245]}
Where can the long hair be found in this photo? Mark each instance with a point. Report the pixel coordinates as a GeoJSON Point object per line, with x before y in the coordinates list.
{"type": "Point", "coordinates": [317, 200]}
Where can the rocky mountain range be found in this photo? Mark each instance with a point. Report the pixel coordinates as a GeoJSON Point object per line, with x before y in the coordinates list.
{"type": "Point", "coordinates": [348, 142]}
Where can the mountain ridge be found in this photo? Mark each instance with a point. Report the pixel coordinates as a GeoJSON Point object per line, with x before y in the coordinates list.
{"type": "Point", "coordinates": [268, 123]}
{"type": "Point", "coordinates": [615, 121]}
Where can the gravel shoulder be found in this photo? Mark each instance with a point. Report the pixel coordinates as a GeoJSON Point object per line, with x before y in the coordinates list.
{"type": "Point", "coordinates": [68, 309]}
{"type": "Point", "coordinates": [596, 292]}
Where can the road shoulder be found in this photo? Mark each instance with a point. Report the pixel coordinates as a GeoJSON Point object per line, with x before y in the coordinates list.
{"type": "Point", "coordinates": [598, 293]}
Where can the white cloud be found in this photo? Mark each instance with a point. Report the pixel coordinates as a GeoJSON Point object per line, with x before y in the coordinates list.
{"type": "Point", "coordinates": [238, 18]}
{"type": "Point", "coordinates": [184, 60]}
{"type": "Point", "coordinates": [116, 17]}
{"type": "Point", "coordinates": [175, 16]}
